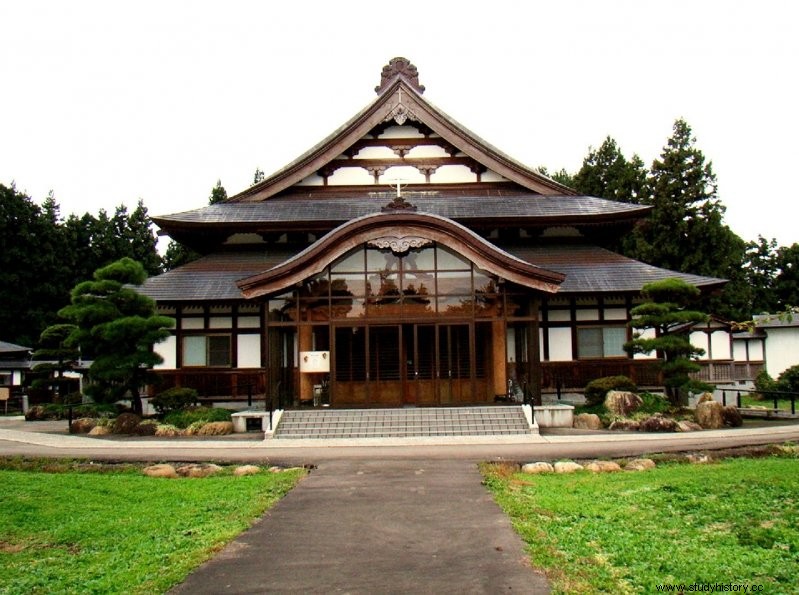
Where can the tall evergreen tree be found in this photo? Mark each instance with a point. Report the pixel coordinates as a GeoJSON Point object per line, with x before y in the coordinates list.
{"type": "Point", "coordinates": [606, 173]}
{"type": "Point", "coordinates": [218, 194]}
{"type": "Point", "coordinates": [685, 231]}
{"type": "Point", "coordinates": [786, 283]}
{"type": "Point", "coordinates": [760, 269]}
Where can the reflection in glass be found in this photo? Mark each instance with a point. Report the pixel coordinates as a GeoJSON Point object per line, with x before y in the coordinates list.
{"type": "Point", "coordinates": [447, 260]}
{"type": "Point", "coordinates": [352, 261]}
{"type": "Point", "coordinates": [282, 310]}
{"type": "Point", "coordinates": [347, 308]}
{"type": "Point", "coordinates": [452, 283]}
{"type": "Point", "coordinates": [347, 284]}
{"type": "Point", "coordinates": [381, 260]}
{"type": "Point", "coordinates": [455, 306]}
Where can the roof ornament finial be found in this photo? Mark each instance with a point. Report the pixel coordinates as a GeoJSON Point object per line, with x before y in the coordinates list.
{"type": "Point", "coordinates": [399, 203]}
{"type": "Point", "coordinates": [399, 68]}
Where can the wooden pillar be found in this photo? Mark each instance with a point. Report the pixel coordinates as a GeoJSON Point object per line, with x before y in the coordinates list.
{"type": "Point", "coordinates": [306, 344]}
{"type": "Point", "coordinates": [499, 356]}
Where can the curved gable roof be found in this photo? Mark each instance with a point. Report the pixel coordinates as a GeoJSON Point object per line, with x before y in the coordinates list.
{"type": "Point", "coordinates": [400, 98]}
{"type": "Point", "coordinates": [404, 230]}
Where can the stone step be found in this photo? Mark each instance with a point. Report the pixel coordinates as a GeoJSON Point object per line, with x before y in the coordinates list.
{"type": "Point", "coordinates": [393, 423]}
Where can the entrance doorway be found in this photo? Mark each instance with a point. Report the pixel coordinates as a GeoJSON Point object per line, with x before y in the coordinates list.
{"type": "Point", "coordinates": [409, 364]}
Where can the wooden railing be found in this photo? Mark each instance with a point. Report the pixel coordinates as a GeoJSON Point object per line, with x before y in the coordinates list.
{"type": "Point", "coordinates": [576, 374]}
{"type": "Point", "coordinates": [727, 371]}
{"type": "Point", "coordinates": [215, 383]}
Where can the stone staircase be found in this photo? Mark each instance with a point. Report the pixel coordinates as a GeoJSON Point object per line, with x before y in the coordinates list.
{"type": "Point", "coordinates": [403, 423]}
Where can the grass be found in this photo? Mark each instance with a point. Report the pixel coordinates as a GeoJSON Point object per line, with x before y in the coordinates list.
{"type": "Point", "coordinates": [736, 521]}
{"type": "Point", "coordinates": [72, 527]}
{"type": "Point", "coordinates": [754, 400]}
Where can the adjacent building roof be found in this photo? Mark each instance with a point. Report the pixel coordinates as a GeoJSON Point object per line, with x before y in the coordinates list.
{"type": "Point", "coordinates": [7, 349]}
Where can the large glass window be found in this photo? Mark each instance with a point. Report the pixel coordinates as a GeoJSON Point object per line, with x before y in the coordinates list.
{"type": "Point", "coordinates": [207, 350]}
{"type": "Point", "coordinates": [601, 341]}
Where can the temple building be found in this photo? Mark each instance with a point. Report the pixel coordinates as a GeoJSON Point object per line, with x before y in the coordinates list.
{"type": "Point", "coordinates": [403, 260]}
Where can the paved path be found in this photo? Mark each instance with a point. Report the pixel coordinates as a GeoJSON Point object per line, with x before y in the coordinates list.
{"type": "Point", "coordinates": [365, 526]}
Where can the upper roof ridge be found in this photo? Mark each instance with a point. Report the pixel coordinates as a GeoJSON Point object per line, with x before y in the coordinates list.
{"type": "Point", "coordinates": [399, 68]}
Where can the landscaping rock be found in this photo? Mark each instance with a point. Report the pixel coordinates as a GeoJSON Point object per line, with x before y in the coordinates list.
{"type": "Point", "coordinates": [147, 428]}
{"type": "Point", "coordinates": [587, 421]}
{"type": "Point", "coordinates": [688, 426]}
{"type": "Point", "coordinates": [603, 466]}
{"type": "Point", "coordinates": [710, 415]}
{"type": "Point", "coordinates": [246, 470]}
{"type": "Point", "coordinates": [567, 467]}
{"type": "Point", "coordinates": [732, 417]}
{"type": "Point", "coordinates": [216, 428]}
{"type": "Point", "coordinates": [198, 470]}
{"type": "Point", "coordinates": [161, 470]}
{"type": "Point", "coordinates": [639, 465]}
{"type": "Point", "coordinates": [704, 398]}
{"type": "Point", "coordinates": [126, 423]}
{"type": "Point", "coordinates": [625, 424]}
{"type": "Point", "coordinates": [622, 403]}
{"type": "Point", "coordinates": [83, 425]}
{"type": "Point", "coordinates": [658, 423]}
{"type": "Point", "coordinates": [540, 467]}
{"type": "Point", "coordinates": [100, 431]}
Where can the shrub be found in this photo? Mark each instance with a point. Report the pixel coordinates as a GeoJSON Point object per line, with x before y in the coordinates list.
{"type": "Point", "coordinates": [174, 399]}
{"type": "Point", "coordinates": [186, 417]}
{"type": "Point", "coordinates": [127, 423]}
{"type": "Point", "coordinates": [788, 381]}
{"type": "Point", "coordinates": [596, 390]}
{"type": "Point", "coordinates": [653, 403]}
{"type": "Point", "coordinates": [764, 382]}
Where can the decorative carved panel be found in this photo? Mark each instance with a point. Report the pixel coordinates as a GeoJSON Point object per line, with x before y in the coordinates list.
{"type": "Point", "coordinates": [399, 245]}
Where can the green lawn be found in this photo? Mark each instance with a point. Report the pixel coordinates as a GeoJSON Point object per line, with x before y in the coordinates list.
{"type": "Point", "coordinates": [733, 522]}
{"type": "Point", "coordinates": [73, 529]}
{"type": "Point", "coordinates": [750, 400]}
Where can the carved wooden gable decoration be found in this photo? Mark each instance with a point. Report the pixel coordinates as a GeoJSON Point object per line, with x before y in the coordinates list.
{"type": "Point", "coordinates": [401, 140]}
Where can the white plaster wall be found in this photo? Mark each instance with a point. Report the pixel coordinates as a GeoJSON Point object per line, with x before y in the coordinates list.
{"type": "Point", "coordinates": [720, 342]}
{"type": "Point", "coordinates": [615, 314]}
{"type": "Point", "coordinates": [374, 153]}
{"type": "Point", "coordinates": [560, 345]}
{"type": "Point", "coordinates": [16, 377]}
{"type": "Point", "coordinates": [492, 176]}
{"type": "Point", "coordinates": [346, 176]}
{"type": "Point", "coordinates": [406, 173]}
{"type": "Point", "coordinates": [782, 349]}
{"type": "Point", "coordinates": [167, 349]}
{"type": "Point", "coordinates": [220, 322]}
{"type": "Point", "coordinates": [699, 340]}
{"type": "Point", "coordinates": [739, 351]}
{"type": "Point", "coordinates": [245, 238]}
{"type": "Point", "coordinates": [559, 315]}
{"type": "Point", "coordinates": [447, 174]}
{"type": "Point", "coordinates": [312, 180]}
{"type": "Point", "coordinates": [249, 322]}
{"type": "Point", "coordinates": [401, 132]}
{"type": "Point", "coordinates": [756, 350]}
{"type": "Point", "coordinates": [427, 151]}
{"type": "Point", "coordinates": [192, 323]}
{"type": "Point", "coordinates": [249, 351]}
{"type": "Point", "coordinates": [589, 314]}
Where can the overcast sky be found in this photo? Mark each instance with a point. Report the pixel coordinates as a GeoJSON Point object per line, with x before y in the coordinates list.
{"type": "Point", "coordinates": [109, 102]}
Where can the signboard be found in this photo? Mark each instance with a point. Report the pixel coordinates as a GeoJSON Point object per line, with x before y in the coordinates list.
{"type": "Point", "coordinates": [314, 361]}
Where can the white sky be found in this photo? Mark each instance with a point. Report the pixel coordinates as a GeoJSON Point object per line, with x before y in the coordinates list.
{"type": "Point", "coordinates": [108, 102]}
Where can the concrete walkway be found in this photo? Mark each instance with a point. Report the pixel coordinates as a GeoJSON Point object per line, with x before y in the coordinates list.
{"type": "Point", "coordinates": [377, 527]}
{"type": "Point", "coordinates": [375, 516]}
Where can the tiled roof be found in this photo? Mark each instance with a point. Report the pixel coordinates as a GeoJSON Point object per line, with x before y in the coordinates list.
{"type": "Point", "coordinates": [212, 277]}
{"type": "Point", "coordinates": [588, 270]}
{"type": "Point", "coordinates": [591, 269]}
{"type": "Point", "coordinates": [6, 347]}
{"type": "Point", "coordinates": [578, 209]}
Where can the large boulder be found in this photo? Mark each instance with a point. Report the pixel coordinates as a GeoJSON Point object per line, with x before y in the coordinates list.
{"type": "Point", "coordinates": [83, 425]}
{"type": "Point", "coordinates": [622, 403]}
{"type": "Point", "coordinates": [658, 423]}
{"type": "Point", "coordinates": [161, 470]}
{"type": "Point", "coordinates": [704, 398]}
{"type": "Point", "coordinates": [100, 431]}
{"type": "Point", "coordinates": [540, 467]}
{"type": "Point", "coordinates": [567, 467]}
{"type": "Point", "coordinates": [242, 470]}
{"type": "Point", "coordinates": [629, 425]}
{"type": "Point", "coordinates": [688, 426]}
{"type": "Point", "coordinates": [198, 470]}
{"type": "Point", "coordinates": [603, 466]}
{"type": "Point", "coordinates": [639, 465]}
{"type": "Point", "coordinates": [126, 423]}
{"type": "Point", "coordinates": [710, 415]}
{"type": "Point", "coordinates": [167, 431]}
{"type": "Point", "coordinates": [587, 421]}
{"type": "Point", "coordinates": [732, 417]}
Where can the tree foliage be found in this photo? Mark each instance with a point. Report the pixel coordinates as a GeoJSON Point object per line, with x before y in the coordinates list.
{"type": "Point", "coordinates": [42, 256]}
{"type": "Point", "coordinates": [116, 327]}
{"type": "Point", "coordinates": [60, 357]}
{"type": "Point", "coordinates": [606, 173]}
{"type": "Point", "coordinates": [666, 312]}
